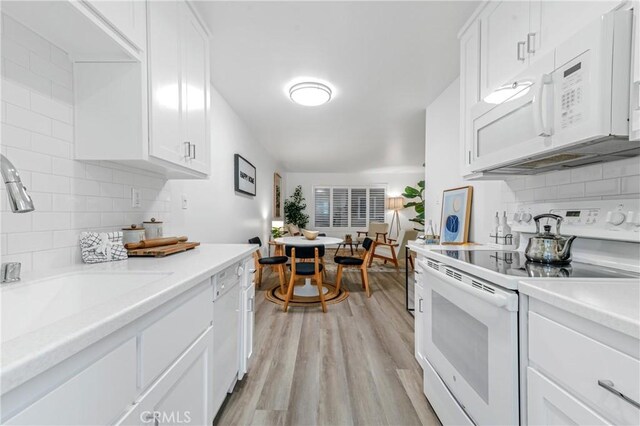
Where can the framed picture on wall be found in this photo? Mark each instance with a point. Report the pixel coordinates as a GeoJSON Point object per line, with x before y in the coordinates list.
{"type": "Point", "coordinates": [456, 215]}
{"type": "Point", "coordinates": [245, 176]}
{"type": "Point", "coordinates": [277, 196]}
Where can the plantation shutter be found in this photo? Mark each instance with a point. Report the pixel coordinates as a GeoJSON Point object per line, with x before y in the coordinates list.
{"type": "Point", "coordinates": [322, 207]}
{"type": "Point", "coordinates": [358, 207]}
{"type": "Point", "coordinates": [340, 207]}
{"type": "Point", "coordinates": [376, 204]}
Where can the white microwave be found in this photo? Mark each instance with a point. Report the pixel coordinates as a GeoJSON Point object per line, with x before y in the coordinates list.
{"type": "Point", "coordinates": [568, 109]}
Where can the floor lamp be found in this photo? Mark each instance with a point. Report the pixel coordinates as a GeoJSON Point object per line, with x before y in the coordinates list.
{"type": "Point", "coordinates": [396, 204]}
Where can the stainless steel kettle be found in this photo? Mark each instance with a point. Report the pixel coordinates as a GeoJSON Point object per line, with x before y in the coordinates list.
{"type": "Point", "coordinates": [545, 247]}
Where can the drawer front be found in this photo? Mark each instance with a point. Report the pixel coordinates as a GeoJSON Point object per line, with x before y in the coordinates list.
{"type": "Point", "coordinates": [166, 339]}
{"type": "Point", "coordinates": [578, 362]}
{"type": "Point", "coordinates": [80, 402]}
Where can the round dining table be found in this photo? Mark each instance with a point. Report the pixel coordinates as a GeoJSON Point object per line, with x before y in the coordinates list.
{"type": "Point", "coordinates": [308, 290]}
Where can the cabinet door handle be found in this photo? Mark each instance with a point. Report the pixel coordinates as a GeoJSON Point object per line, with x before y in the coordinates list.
{"type": "Point", "coordinates": [608, 385]}
{"type": "Point", "coordinates": [531, 43]}
{"type": "Point", "coordinates": [194, 151]}
{"type": "Point", "coordinates": [469, 157]}
{"type": "Point", "coordinates": [187, 146]}
{"type": "Point", "coordinates": [520, 50]}
{"type": "Point", "coordinates": [420, 305]}
{"type": "Point", "coordinates": [250, 309]}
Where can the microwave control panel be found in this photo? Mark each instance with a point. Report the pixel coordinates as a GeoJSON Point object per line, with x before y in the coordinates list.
{"type": "Point", "coordinates": [571, 95]}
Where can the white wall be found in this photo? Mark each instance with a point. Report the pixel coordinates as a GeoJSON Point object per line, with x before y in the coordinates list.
{"type": "Point", "coordinates": [395, 183]}
{"type": "Point", "coordinates": [215, 213]}
{"type": "Point", "coordinates": [620, 179]}
{"type": "Point", "coordinates": [37, 136]}
{"type": "Point", "coordinates": [443, 158]}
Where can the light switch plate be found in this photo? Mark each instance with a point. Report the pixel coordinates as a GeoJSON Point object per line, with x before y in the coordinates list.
{"type": "Point", "coordinates": [135, 198]}
{"type": "Point", "coordinates": [185, 204]}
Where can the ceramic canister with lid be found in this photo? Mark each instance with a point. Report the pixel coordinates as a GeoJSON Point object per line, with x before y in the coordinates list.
{"type": "Point", "coordinates": [133, 234]}
{"type": "Point", "coordinates": [153, 229]}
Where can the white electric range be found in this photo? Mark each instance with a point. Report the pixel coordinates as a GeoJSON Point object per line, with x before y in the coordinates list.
{"type": "Point", "coordinates": [468, 307]}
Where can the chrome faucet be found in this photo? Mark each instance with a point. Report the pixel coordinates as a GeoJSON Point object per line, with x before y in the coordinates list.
{"type": "Point", "coordinates": [20, 202]}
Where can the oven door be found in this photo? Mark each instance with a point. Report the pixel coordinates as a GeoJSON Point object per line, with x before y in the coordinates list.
{"type": "Point", "coordinates": [471, 340]}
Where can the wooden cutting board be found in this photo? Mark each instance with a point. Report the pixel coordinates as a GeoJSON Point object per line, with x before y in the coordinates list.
{"type": "Point", "coordinates": [161, 251]}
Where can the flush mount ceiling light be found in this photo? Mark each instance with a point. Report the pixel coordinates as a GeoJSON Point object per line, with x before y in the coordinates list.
{"type": "Point", "coordinates": [508, 92]}
{"type": "Point", "coordinates": [310, 93]}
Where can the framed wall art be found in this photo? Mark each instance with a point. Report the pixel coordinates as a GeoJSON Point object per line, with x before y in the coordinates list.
{"type": "Point", "coordinates": [456, 215]}
{"type": "Point", "coordinates": [277, 196]}
{"type": "Point", "coordinates": [245, 176]}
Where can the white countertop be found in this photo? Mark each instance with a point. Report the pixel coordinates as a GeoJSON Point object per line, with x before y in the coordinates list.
{"type": "Point", "coordinates": [614, 303]}
{"type": "Point", "coordinates": [25, 355]}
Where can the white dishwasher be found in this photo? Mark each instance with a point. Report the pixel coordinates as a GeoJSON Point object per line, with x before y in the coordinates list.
{"type": "Point", "coordinates": [226, 331]}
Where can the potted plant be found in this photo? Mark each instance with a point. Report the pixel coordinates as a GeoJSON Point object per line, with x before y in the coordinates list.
{"type": "Point", "coordinates": [416, 194]}
{"type": "Point", "coordinates": [294, 208]}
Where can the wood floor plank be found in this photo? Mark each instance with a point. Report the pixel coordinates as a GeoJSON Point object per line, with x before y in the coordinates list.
{"type": "Point", "coordinates": [353, 365]}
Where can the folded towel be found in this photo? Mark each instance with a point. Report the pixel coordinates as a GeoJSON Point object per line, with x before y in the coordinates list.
{"type": "Point", "coordinates": [102, 247]}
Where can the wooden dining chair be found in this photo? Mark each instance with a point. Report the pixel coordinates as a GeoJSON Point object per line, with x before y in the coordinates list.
{"type": "Point", "coordinates": [359, 262]}
{"type": "Point", "coordinates": [275, 261]}
{"type": "Point", "coordinates": [302, 269]}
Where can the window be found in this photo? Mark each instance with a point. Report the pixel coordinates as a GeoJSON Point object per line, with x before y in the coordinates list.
{"type": "Point", "coordinates": [345, 207]}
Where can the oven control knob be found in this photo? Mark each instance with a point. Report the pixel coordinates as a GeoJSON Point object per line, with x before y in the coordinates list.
{"type": "Point", "coordinates": [526, 217]}
{"type": "Point", "coordinates": [616, 217]}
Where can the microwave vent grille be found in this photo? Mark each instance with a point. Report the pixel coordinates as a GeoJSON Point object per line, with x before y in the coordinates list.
{"type": "Point", "coordinates": [454, 275]}
{"type": "Point", "coordinates": [549, 161]}
{"type": "Point", "coordinates": [433, 265]}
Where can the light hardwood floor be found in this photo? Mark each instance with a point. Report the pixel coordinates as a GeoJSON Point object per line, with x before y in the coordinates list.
{"type": "Point", "coordinates": [353, 365]}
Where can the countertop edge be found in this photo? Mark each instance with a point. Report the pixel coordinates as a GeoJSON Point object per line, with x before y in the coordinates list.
{"type": "Point", "coordinates": [13, 374]}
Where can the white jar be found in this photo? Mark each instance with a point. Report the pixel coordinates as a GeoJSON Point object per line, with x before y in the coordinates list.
{"type": "Point", "coordinates": [133, 234]}
{"type": "Point", "coordinates": [152, 229]}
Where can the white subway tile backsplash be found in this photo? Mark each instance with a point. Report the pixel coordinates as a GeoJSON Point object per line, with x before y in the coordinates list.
{"type": "Point", "coordinates": [22, 242]}
{"type": "Point", "coordinates": [62, 131]}
{"type": "Point", "coordinates": [15, 94]}
{"type": "Point", "coordinates": [51, 221]}
{"type": "Point", "coordinates": [535, 181]}
{"type": "Point", "coordinates": [602, 187]}
{"type": "Point", "coordinates": [50, 146]}
{"type": "Point", "coordinates": [29, 160]}
{"type": "Point", "coordinates": [15, 136]}
{"type": "Point", "coordinates": [572, 190]}
{"type": "Point", "coordinates": [50, 183]}
{"type": "Point", "coordinates": [628, 167]}
{"type": "Point", "coordinates": [50, 108]}
{"type": "Point", "coordinates": [630, 185]}
{"type": "Point", "coordinates": [547, 193]}
{"type": "Point", "coordinates": [28, 120]}
{"type": "Point", "coordinates": [586, 173]}
{"type": "Point", "coordinates": [37, 134]}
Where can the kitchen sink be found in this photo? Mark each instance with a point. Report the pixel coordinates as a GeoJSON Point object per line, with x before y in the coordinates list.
{"type": "Point", "coordinates": [30, 305]}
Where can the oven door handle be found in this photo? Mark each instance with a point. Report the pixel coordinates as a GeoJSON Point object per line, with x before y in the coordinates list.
{"type": "Point", "coordinates": [497, 300]}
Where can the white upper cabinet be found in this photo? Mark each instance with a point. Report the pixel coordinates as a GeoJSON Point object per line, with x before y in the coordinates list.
{"type": "Point", "coordinates": [154, 113]}
{"type": "Point", "coordinates": [179, 84]}
{"type": "Point", "coordinates": [126, 16]}
{"type": "Point", "coordinates": [549, 25]}
{"type": "Point", "coordinates": [195, 91]}
{"type": "Point", "coordinates": [634, 122]}
{"type": "Point", "coordinates": [504, 27]}
{"type": "Point", "coordinates": [469, 89]}
{"type": "Point", "coordinates": [164, 82]}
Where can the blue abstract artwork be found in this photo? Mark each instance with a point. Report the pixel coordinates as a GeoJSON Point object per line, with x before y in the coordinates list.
{"type": "Point", "coordinates": [456, 205]}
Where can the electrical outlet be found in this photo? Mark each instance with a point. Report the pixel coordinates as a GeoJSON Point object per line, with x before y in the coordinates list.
{"type": "Point", "coordinates": [135, 198]}
{"type": "Point", "coordinates": [185, 204]}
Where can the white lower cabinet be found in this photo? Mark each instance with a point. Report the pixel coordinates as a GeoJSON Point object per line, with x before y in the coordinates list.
{"type": "Point", "coordinates": [182, 394]}
{"type": "Point", "coordinates": [78, 401]}
{"type": "Point", "coordinates": [577, 371]}
{"type": "Point", "coordinates": [549, 404]}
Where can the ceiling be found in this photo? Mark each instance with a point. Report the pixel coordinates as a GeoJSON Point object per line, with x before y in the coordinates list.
{"type": "Point", "coordinates": [386, 61]}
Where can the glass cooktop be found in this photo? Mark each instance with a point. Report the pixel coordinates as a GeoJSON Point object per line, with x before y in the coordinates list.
{"type": "Point", "coordinates": [516, 264]}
